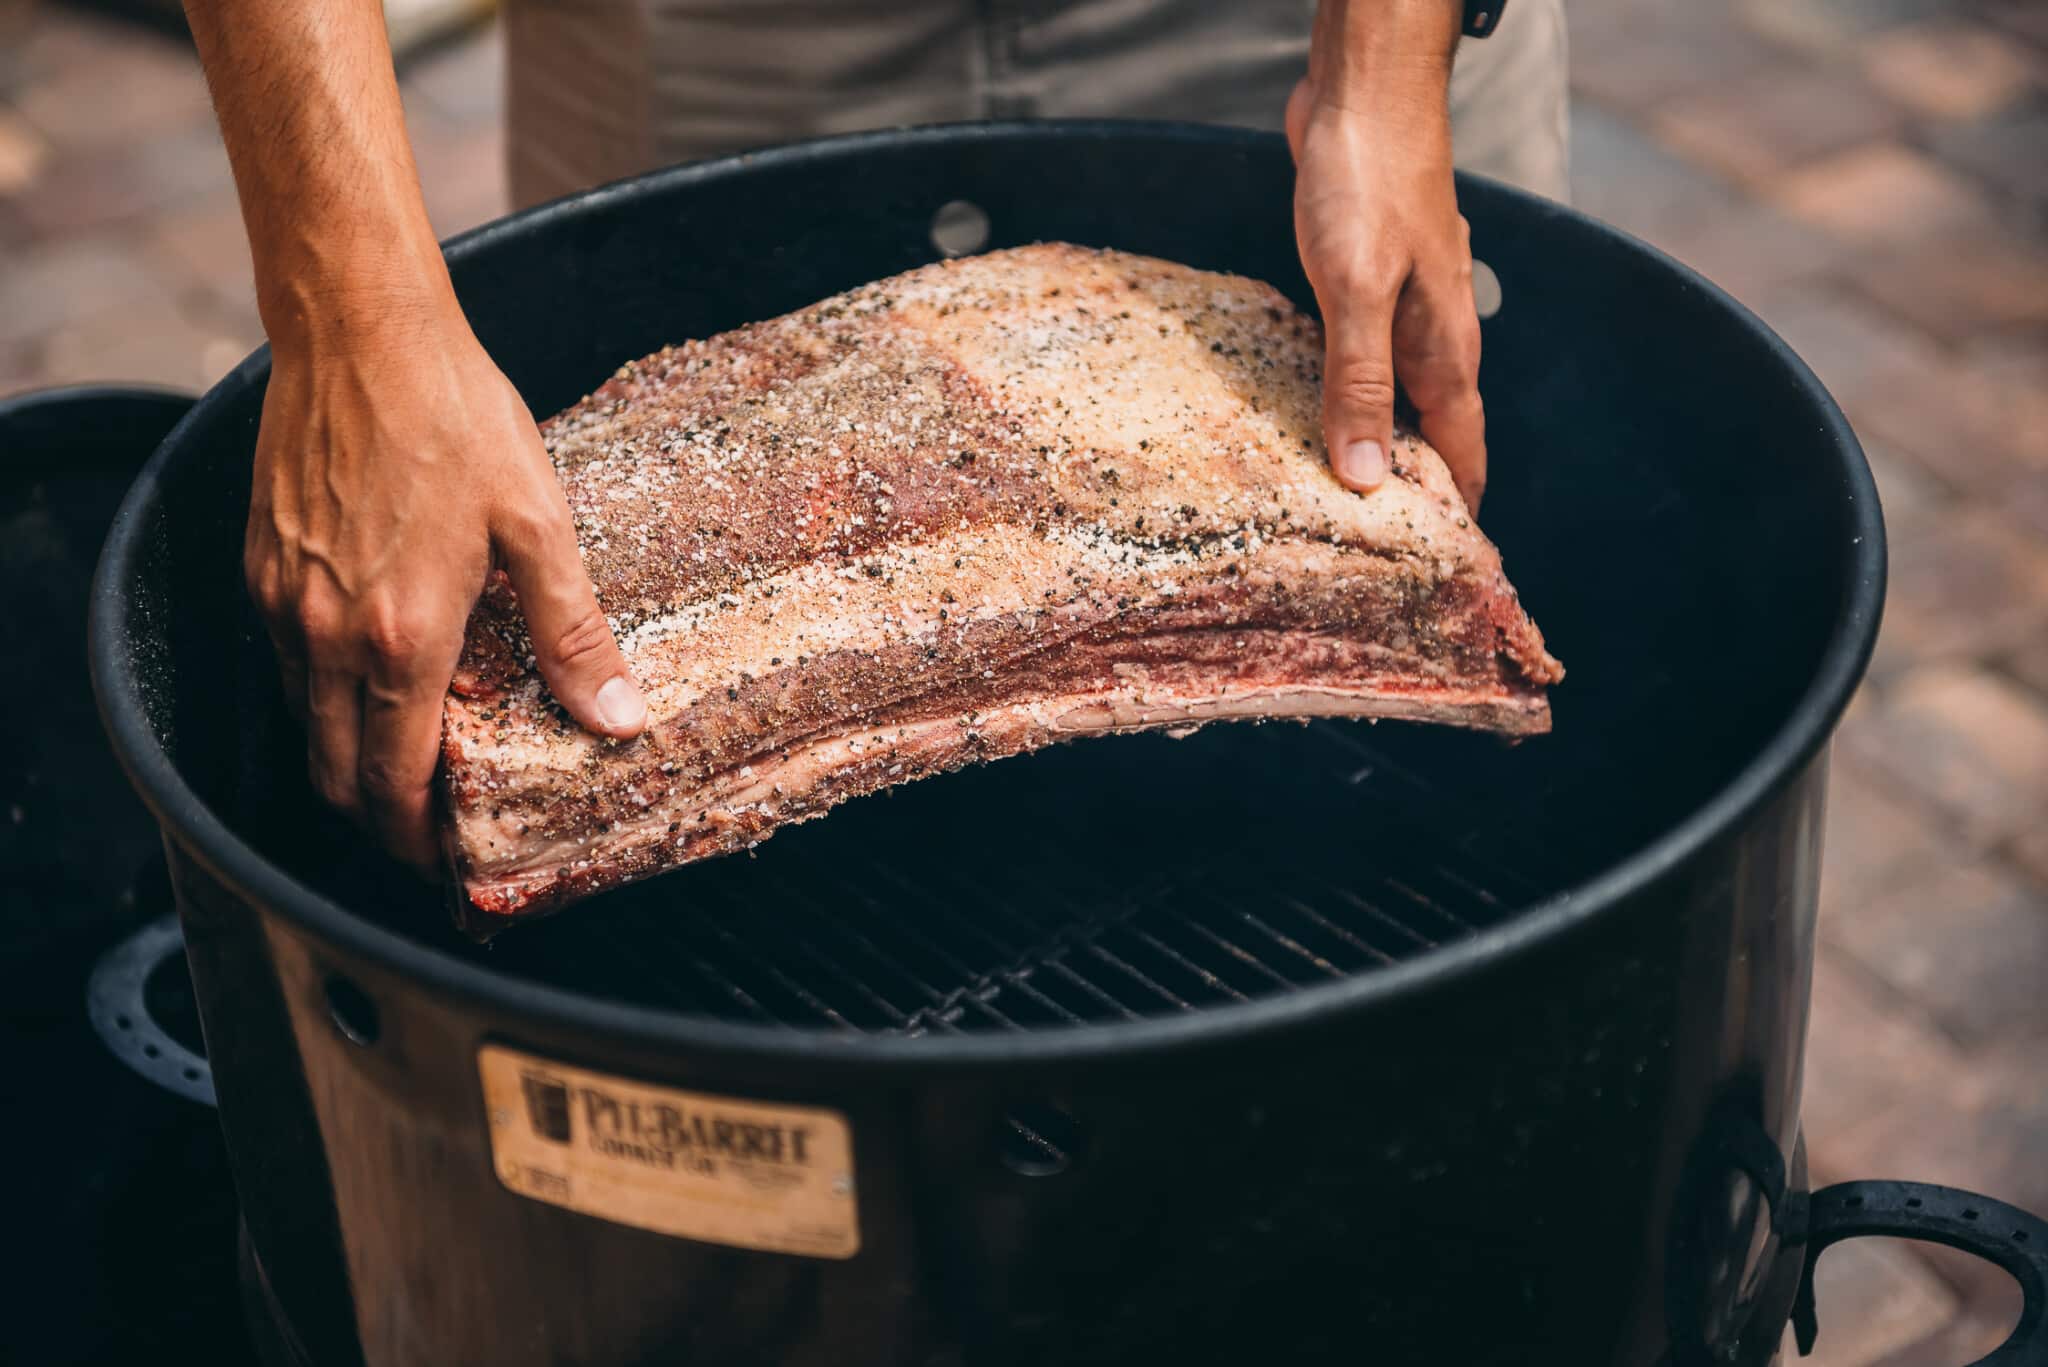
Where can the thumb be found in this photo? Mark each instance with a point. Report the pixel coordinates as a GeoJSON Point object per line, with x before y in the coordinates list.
{"type": "Point", "coordinates": [1358, 390]}
{"type": "Point", "coordinates": [572, 641]}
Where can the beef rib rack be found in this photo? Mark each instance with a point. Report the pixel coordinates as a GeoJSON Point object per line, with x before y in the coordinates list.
{"type": "Point", "coordinates": [955, 515]}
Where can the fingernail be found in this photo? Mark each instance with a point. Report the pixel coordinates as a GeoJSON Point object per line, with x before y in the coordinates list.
{"type": "Point", "coordinates": [1363, 464]}
{"type": "Point", "coordinates": [620, 706]}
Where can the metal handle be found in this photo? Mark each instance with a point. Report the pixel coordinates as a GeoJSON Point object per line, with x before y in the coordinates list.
{"type": "Point", "coordinates": [1992, 1230]}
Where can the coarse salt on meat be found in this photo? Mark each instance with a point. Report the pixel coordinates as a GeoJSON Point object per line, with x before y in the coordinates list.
{"type": "Point", "coordinates": [966, 512]}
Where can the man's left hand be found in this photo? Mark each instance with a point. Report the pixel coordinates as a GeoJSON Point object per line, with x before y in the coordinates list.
{"type": "Point", "coordinates": [1390, 258]}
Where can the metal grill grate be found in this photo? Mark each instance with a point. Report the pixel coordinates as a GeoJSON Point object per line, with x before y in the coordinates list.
{"type": "Point", "coordinates": [1052, 930]}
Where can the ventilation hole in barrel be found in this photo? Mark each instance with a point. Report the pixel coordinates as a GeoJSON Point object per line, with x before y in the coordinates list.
{"type": "Point", "coordinates": [959, 228]}
{"type": "Point", "coordinates": [1912, 1203]}
{"type": "Point", "coordinates": [352, 1011]}
{"type": "Point", "coordinates": [1969, 1214]}
{"type": "Point", "coordinates": [2019, 1236]}
{"type": "Point", "coordinates": [124, 1023]}
{"type": "Point", "coordinates": [1854, 1201]}
{"type": "Point", "coordinates": [1038, 1140]}
{"type": "Point", "coordinates": [191, 1075]}
{"type": "Point", "coordinates": [150, 1051]}
{"type": "Point", "coordinates": [1485, 289]}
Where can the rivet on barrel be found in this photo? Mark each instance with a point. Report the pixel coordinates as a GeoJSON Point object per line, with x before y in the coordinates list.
{"type": "Point", "coordinates": [352, 1011]}
{"type": "Point", "coordinates": [959, 228]}
{"type": "Point", "coordinates": [1038, 1140]}
{"type": "Point", "coordinates": [1486, 295]}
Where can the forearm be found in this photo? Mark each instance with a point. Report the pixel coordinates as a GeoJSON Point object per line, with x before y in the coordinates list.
{"type": "Point", "coordinates": [1365, 53]}
{"type": "Point", "coordinates": [309, 110]}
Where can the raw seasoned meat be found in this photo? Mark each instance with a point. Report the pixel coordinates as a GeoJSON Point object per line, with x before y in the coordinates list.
{"type": "Point", "coordinates": [959, 514]}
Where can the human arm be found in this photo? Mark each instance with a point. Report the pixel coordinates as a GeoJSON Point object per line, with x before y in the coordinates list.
{"type": "Point", "coordinates": [1381, 238]}
{"type": "Point", "coordinates": [395, 465]}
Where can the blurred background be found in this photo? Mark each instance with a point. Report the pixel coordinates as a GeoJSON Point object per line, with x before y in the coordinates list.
{"type": "Point", "coordinates": [1871, 176]}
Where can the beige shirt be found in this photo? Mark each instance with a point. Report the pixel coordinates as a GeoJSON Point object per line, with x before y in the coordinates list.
{"type": "Point", "coordinates": [603, 89]}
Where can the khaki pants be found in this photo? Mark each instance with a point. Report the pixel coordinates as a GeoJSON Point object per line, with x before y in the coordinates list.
{"type": "Point", "coordinates": [603, 89]}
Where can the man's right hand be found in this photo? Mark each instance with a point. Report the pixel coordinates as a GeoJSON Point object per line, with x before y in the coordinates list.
{"type": "Point", "coordinates": [395, 467]}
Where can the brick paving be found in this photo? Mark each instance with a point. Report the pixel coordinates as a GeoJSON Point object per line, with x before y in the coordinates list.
{"type": "Point", "coordinates": [1869, 175]}
{"type": "Point", "coordinates": [121, 252]}
{"type": "Point", "coordinates": [1872, 177]}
